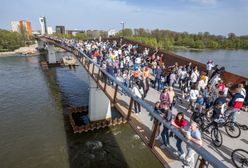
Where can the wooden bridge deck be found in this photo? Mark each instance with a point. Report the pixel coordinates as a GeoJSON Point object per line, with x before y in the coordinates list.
{"type": "Point", "coordinates": [122, 103]}
{"type": "Point", "coordinates": [143, 126]}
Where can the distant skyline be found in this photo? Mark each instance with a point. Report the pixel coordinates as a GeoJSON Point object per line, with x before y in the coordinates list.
{"type": "Point", "coordinates": [218, 17]}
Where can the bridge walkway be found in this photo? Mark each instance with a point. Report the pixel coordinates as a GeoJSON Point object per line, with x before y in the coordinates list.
{"type": "Point", "coordinates": [142, 123]}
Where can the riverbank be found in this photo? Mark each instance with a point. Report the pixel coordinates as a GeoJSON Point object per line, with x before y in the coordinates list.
{"type": "Point", "coordinates": [184, 48]}
{"type": "Point", "coordinates": [28, 51]}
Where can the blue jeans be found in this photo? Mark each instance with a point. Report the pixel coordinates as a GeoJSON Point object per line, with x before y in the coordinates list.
{"type": "Point", "coordinates": [179, 146]}
{"type": "Point", "coordinates": [231, 112]}
{"type": "Point", "coordinates": [157, 80]}
{"type": "Point", "coordinates": [98, 59]}
{"type": "Point", "coordinates": [165, 136]}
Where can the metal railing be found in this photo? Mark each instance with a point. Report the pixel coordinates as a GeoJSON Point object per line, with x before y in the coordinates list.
{"type": "Point", "coordinates": [207, 156]}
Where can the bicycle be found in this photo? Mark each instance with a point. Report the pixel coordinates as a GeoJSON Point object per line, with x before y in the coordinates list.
{"type": "Point", "coordinates": [240, 158]}
{"type": "Point", "coordinates": [243, 126]}
{"type": "Point", "coordinates": [216, 136]}
{"type": "Point", "coordinates": [232, 129]}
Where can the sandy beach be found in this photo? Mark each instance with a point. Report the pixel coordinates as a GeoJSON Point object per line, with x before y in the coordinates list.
{"type": "Point", "coordinates": [30, 50]}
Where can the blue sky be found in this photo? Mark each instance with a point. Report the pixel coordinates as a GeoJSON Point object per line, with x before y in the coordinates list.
{"type": "Point", "coordinates": [214, 16]}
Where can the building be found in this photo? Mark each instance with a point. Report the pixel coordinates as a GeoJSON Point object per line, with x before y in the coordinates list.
{"type": "Point", "coordinates": [43, 25]}
{"type": "Point", "coordinates": [15, 26]}
{"type": "Point", "coordinates": [74, 32]}
{"type": "Point", "coordinates": [111, 33]}
{"type": "Point", "coordinates": [49, 30]}
{"type": "Point", "coordinates": [60, 29]}
{"type": "Point", "coordinates": [23, 27]}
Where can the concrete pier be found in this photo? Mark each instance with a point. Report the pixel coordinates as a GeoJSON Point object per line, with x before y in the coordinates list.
{"type": "Point", "coordinates": [51, 54]}
{"type": "Point", "coordinates": [41, 45]}
{"type": "Point", "coordinates": [99, 103]}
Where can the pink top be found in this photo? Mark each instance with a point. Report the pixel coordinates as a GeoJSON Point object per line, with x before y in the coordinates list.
{"type": "Point", "coordinates": [221, 87]}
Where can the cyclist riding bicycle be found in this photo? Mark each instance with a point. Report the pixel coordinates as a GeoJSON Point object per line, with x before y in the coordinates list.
{"type": "Point", "coordinates": [217, 111]}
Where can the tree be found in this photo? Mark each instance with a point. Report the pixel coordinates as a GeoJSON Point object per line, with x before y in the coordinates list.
{"type": "Point", "coordinates": [80, 36]}
{"type": "Point", "coordinates": [128, 32]}
{"type": "Point", "coordinates": [199, 44]}
{"type": "Point", "coordinates": [10, 40]}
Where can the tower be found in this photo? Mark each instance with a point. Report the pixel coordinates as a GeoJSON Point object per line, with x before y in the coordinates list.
{"type": "Point", "coordinates": [43, 25]}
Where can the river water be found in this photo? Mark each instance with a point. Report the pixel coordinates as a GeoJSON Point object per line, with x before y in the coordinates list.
{"type": "Point", "coordinates": [34, 127]}
{"type": "Point", "coordinates": [235, 61]}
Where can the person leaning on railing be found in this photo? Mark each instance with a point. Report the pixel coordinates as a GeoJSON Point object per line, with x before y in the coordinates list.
{"type": "Point", "coordinates": [194, 136]}
{"type": "Point", "coordinates": [180, 123]}
{"type": "Point", "coordinates": [166, 113]}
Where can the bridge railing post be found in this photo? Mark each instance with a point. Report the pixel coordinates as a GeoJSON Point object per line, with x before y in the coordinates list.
{"type": "Point", "coordinates": [130, 108]}
{"type": "Point", "coordinates": [154, 133]}
{"type": "Point", "coordinates": [98, 77]}
{"type": "Point", "coordinates": [105, 83]}
{"type": "Point", "coordinates": [203, 162]}
{"type": "Point", "coordinates": [115, 94]}
{"type": "Point", "coordinates": [93, 69]}
{"type": "Point", "coordinates": [89, 63]}
{"type": "Point", "coordinates": [84, 61]}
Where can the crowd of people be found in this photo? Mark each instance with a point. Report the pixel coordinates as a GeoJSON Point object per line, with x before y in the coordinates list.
{"type": "Point", "coordinates": [203, 90]}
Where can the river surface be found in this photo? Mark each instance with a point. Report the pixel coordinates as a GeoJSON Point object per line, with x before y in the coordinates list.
{"type": "Point", "coordinates": [235, 61]}
{"type": "Point", "coordinates": [34, 127]}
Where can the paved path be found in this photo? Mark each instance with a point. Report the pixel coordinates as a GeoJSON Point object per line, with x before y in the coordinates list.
{"type": "Point", "coordinates": [229, 144]}
{"type": "Point", "coordinates": [143, 125]}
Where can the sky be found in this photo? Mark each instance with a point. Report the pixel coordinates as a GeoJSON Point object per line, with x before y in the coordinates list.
{"type": "Point", "coordinates": [218, 17]}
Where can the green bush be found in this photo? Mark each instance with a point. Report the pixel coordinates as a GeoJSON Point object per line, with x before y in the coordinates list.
{"type": "Point", "coordinates": [10, 40]}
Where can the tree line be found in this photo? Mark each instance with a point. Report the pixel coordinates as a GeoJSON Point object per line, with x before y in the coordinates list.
{"type": "Point", "coordinates": [10, 41]}
{"type": "Point", "coordinates": [166, 39]}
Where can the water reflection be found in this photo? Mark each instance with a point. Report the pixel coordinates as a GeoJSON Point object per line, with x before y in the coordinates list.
{"type": "Point", "coordinates": [34, 126]}
{"type": "Point", "coordinates": [234, 61]}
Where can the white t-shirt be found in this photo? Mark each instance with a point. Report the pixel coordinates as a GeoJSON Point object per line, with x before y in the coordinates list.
{"type": "Point", "coordinates": [201, 85]}
{"type": "Point", "coordinates": [183, 74]}
{"type": "Point", "coordinates": [243, 92]}
{"type": "Point", "coordinates": [138, 60]}
{"type": "Point", "coordinates": [136, 92]}
{"type": "Point", "coordinates": [194, 77]}
{"type": "Point", "coordinates": [193, 94]}
{"type": "Point", "coordinates": [210, 66]}
{"type": "Point", "coordinates": [127, 58]}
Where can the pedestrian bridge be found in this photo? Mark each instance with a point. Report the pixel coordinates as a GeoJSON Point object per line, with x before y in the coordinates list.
{"type": "Point", "coordinates": [142, 125]}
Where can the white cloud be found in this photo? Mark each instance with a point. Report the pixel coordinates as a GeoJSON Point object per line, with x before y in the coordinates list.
{"type": "Point", "coordinates": [191, 16]}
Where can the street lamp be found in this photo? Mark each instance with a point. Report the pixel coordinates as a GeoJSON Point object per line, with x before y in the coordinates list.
{"type": "Point", "coordinates": [122, 23]}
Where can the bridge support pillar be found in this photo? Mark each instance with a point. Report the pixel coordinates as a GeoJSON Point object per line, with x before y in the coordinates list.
{"type": "Point", "coordinates": [99, 104]}
{"type": "Point", "coordinates": [51, 54]}
{"type": "Point", "coordinates": [41, 45]}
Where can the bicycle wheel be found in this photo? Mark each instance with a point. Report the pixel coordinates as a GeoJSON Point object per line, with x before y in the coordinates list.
{"type": "Point", "coordinates": [232, 129]}
{"type": "Point", "coordinates": [216, 137]}
{"type": "Point", "coordinates": [240, 158]}
{"type": "Point", "coordinates": [243, 127]}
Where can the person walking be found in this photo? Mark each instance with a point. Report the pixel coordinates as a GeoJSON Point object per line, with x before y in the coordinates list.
{"type": "Point", "coordinates": [157, 82]}
{"type": "Point", "coordinates": [137, 92]}
{"type": "Point", "coordinates": [164, 99]}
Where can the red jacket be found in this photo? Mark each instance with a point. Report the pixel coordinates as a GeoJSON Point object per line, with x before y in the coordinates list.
{"type": "Point", "coordinates": [237, 101]}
